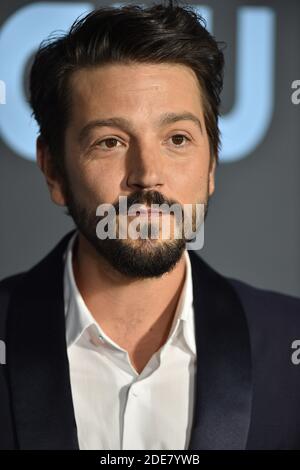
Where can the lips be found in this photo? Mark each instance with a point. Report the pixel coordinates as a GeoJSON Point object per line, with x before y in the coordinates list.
{"type": "Point", "coordinates": [144, 211]}
{"type": "Point", "coordinates": [148, 212]}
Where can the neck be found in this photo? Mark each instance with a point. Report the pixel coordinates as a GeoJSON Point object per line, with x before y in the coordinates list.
{"type": "Point", "coordinates": [127, 309]}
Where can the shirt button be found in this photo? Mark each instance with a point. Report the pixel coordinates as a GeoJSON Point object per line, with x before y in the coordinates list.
{"type": "Point", "coordinates": [133, 392]}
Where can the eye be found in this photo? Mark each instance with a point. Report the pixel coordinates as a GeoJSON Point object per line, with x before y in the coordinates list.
{"type": "Point", "coordinates": [110, 141]}
{"type": "Point", "coordinates": [178, 139]}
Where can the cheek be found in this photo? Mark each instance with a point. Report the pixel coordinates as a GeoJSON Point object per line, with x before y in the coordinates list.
{"type": "Point", "coordinates": [92, 180]}
{"type": "Point", "coordinates": [192, 183]}
{"type": "Point", "coordinates": [95, 185]}
{"type": "Point", "coordinates": [197, 189]}
{"type": "Point", "coordinates": [199, 178]}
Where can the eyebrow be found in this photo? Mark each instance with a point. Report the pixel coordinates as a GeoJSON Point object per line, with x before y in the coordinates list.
{"type": "Point", "coordinates": [123, 123]}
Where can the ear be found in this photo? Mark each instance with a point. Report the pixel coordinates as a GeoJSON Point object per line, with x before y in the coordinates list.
{"type": "Point", "coordinates": [53, 180]}
{"type": "Point", "coordinates": [211, 176]}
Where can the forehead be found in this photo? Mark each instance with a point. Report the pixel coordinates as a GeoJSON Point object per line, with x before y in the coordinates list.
{"type": "Point", "coordinates": [134, 88]}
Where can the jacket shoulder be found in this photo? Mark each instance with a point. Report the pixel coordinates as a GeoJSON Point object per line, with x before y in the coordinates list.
{"type": "Point", "coordinates": [264, 296]}
{"type": "Point", "coordinates": [267, 306]}
{"type": "Point", "coordinates": [29, 279]}
{"type": "Point", "coordinates": [7, 286]}
{"type": "Point", "coordinates": [8, 283]}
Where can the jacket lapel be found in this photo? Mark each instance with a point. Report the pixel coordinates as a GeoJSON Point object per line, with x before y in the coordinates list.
{"type": "Point", "coordinates": [37, 358]}
{"type": "Point", "coordinates": [223, 383]}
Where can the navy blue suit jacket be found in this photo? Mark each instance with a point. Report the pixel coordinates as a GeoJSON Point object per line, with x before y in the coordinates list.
{"type": "Point", "coordinates": [247, 387]}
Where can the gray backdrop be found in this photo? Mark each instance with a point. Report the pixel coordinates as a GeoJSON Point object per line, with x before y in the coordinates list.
{"type": "Point", "coordinates": [253, 228]}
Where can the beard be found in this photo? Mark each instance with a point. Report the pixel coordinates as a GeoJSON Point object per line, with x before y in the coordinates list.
{"type": "Point", "coordinates": [136, 259]}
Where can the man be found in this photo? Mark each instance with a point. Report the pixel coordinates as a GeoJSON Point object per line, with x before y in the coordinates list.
{"type": "Point", "coordinates": [138, 344]}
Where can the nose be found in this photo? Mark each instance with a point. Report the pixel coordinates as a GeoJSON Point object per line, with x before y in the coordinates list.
{"type": "Point", "coordinates": [145, 168]}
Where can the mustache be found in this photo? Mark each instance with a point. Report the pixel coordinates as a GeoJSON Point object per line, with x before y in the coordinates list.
{"type": "Point", "coordinates": [147, 198]}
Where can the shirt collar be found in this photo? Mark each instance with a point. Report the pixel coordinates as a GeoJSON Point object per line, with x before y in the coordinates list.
{"type": "Point", "coordinates": [79, 318]}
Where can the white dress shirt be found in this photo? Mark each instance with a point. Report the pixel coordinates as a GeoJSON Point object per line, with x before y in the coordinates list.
{"type": "Point", "coordinates": [116, 407]}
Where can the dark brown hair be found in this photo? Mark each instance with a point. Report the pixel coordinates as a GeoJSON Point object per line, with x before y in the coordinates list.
{"type": "Point", "coordinates": [157, 34]}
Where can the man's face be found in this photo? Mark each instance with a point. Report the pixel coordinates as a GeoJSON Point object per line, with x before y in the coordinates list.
{"type": "Point", "coordinates": [144, 159]}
